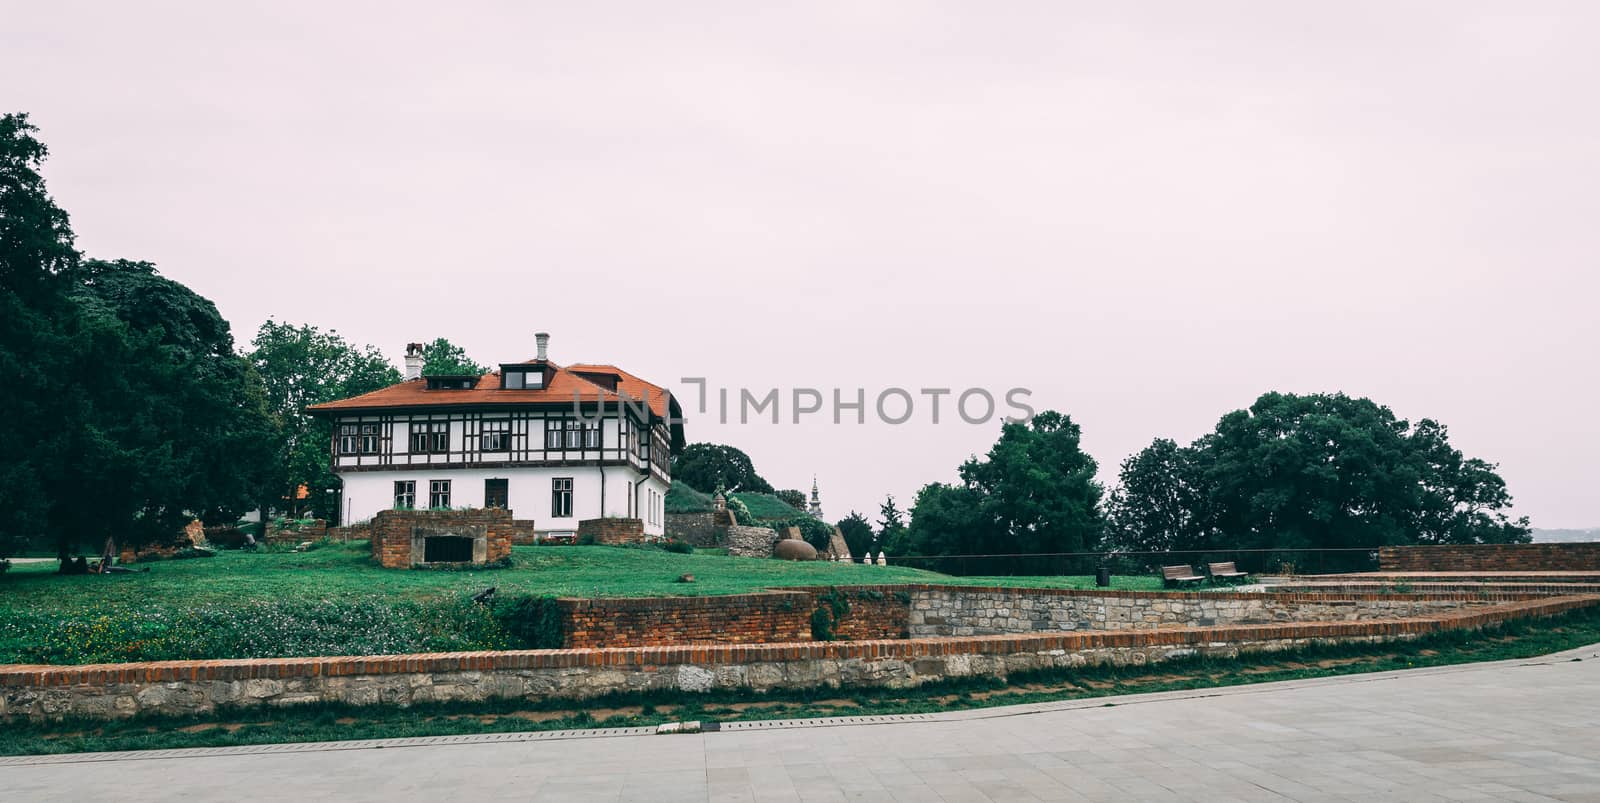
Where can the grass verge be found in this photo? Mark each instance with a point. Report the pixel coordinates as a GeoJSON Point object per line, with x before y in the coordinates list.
{"type": "Point", "coordinates": [1521, 639]}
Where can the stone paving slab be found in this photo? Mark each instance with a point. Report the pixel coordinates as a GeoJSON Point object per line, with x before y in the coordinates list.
{"type": "Point", "coordinates": [1513, 730]}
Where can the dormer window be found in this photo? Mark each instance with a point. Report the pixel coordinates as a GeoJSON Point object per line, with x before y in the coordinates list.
{"type": "Point", "coordinates": [455, 382]}
{"type": "Point", "coordinates": [521, 377]}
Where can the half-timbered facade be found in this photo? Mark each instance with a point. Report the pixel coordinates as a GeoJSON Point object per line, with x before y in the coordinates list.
{"type": "Point", "coordinates": [552, 443]}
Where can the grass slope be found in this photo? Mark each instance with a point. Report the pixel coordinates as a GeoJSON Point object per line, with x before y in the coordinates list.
{"type": "Point", "coordinates": [335, 601]}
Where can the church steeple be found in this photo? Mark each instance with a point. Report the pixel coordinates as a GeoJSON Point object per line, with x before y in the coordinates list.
{"type": "Point", "coordinates": [815, 508]}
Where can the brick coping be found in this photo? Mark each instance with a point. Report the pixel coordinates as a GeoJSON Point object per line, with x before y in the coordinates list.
{"type": "Point", "coordinates": [889, 589]}
{"type": "Point", "coordinates": [35, 675]}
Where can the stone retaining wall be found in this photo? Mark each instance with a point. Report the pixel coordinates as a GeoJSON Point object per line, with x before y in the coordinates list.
{"type": "Point", "coordinates": [969, 611]}
{"type": "Point", "coordinates": [1577, 557]}
{"type": "Point", "coordinates": [749, 542]}
{"type": "Point", "coordinates": [699, 529]}
{"type": "Point", "coordinates": [191, 687]}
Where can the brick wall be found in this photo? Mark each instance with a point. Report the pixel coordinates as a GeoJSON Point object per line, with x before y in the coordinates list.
{"type": "Point", "coordinates": [523, 532]}
{"type": "Point", "coordinates": [314, 531]}
{"type": "Point", "coordinates": [611, 531]}
{"type": "Point", "coordinates": [874, 612]}
{"type": "Point", "coordinates": [193, 687]}
{"type": "Point", "coordinates": [737, 619]}
{"type": "Point", "coordinates": [396, 534]}
{"type": "Point", "coordinates": [1491, 558]}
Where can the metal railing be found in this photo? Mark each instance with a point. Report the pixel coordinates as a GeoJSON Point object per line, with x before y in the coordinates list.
{"type": "Point", "coordinates": [1254, 561]}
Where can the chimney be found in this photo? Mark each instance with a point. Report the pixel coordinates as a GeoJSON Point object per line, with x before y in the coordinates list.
{"type": "Point", "coordinates": [543, 340]}
{"type": "Point", "coordinates": [413, 361]}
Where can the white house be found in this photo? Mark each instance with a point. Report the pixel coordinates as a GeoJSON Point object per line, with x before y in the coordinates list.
{"type": "Point", "coordinates": [555, 444]}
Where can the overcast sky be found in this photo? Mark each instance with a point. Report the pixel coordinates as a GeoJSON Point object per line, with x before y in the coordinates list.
{"type": "Point", "coordinates": [1147, 216]}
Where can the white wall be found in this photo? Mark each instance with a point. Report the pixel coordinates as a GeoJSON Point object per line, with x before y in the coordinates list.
{"type": "Point", "coordinates": [527, 492]}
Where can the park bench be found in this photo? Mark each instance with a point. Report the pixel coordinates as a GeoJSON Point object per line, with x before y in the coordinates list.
{"type": "Point", "coordinates": [1225, 572]}
{"type": "Point", "coordinates": [1179, 575]}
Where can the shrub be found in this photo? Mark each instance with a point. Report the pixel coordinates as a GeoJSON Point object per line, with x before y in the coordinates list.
{"type": "Point", "coordinates": [535, 621]}
{"type": "Point", "coordinates": [822, 624]}
{"type": "Point", "coordinates": [680, 547]}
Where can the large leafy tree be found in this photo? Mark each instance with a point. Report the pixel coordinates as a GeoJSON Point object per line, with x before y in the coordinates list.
{"type": "Point", "coordinates": [443, 358]}
{"type": "Point", "coordinates": [125, 403]}
{"type": "Point", "coordinates": [301, 366]}
{"type": "Point", "coordinates": [37, 256]}
{"type": "Point", "coordinates": [207, 429]}
{"type": "Point", "coordinates": [1158, 504]}
{"type": "Point", "coordinates": [1034, 491]}
{"type": "Point", "coordinates": [708, 466]}
{"type": "Point", "coordinates": [858, 535]}
{"type": "Point", "coordinates": [1316, 471]}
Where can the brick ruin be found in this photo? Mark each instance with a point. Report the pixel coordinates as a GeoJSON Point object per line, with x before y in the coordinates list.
{"type": "Point", "coordinates": [403, 539]}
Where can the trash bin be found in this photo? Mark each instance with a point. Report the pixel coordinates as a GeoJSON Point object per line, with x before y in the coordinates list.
{"type": "Point", "coordinates": [1102, 576]}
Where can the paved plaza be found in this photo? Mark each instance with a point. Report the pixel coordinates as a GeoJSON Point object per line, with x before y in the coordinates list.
{"type": "Point", "coordinates": [1521, 730]}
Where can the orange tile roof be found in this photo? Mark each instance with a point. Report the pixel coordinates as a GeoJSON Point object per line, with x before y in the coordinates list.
{"type": "Point", "coordinates": [565, 387]}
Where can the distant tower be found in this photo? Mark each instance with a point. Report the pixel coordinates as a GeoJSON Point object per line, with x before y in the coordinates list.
{"type": "Point", "coordinates": [815, 508]}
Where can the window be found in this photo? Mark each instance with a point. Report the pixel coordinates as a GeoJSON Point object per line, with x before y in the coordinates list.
{"type": "Point", "coordinates": [405, 494]}
{"type": "Point", "coordinates": [572, 434]}
{"type": "Point", "coordinates": [359, 438]}
{"type": "Point", "coordinates": [494, 494]}
{"type": "Point", "coordinates": [430, 436]}
{"type": "Point", "coordinates": [439, 494]}
{"type": "Point", "coordinates": [496, 436]}
{"type": "Point", "coordinates": [522, 380]}
{"type": "Point", "coordinates": [561, 498]}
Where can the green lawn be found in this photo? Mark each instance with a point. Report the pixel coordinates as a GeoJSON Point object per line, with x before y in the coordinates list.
{"type": "Point", "coordinates": [334, 600]}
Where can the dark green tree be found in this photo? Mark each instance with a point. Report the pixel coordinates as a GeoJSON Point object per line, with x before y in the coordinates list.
{"type": "Point", "coordinates": [1159, 502]}
{"type": "Point", "coordinates": [1033, 492]}
{"type": "Point", "coordinates": [792, 497]}
{"type": "Point", "coordinates": [1318, 471]}
{"type": "Point", "coordinates": [213, 431]}
{"type": "Point", "coordinates": [301, 366]}
{"type": "Point", "coordinates": [443, 358]}
{"type": "Point", "coordinates": [709, 466]}
{"type": "Point", "coordinates": [125, 403]}
{"type": "Point", "coordinates": [858, 535]}
{"type": "Point", "coordinates": [37, 258]}
{"type": "Point", "coordinates": [891, 527]}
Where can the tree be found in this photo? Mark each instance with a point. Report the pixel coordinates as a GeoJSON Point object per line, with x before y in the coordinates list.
{"type": "Point", "coordinates": [792, 497]}
{"type": "Point", "coordinates": [214, 429]}
{"type": "Point", "coordinates": [1319, 471]}
{"type": "Point", "coordinates": [1033, 492]}
{"type": "Point", "coordinates": [891, 528]}
{"type": "Point", "coordinates": [858, 535]}
{"type": "Point", "coordinates": [37, 256]}
{"type": "Point", "coordinates": [708, 466]}
{"type": "Point", "coordinates": [125, 403]}
{"type": "Point", "coordinates": [443, 358]}
{"type": "Point", "coordinates": [1158, 503]}
{"type": "Point", "coordinates": [301, 366]}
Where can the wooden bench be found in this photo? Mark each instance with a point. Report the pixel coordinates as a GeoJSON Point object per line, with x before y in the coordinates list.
{"type": "Point", "coordinates": [1225, 571]}
{"type": "Point", "coordinates": [1179, 575]}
